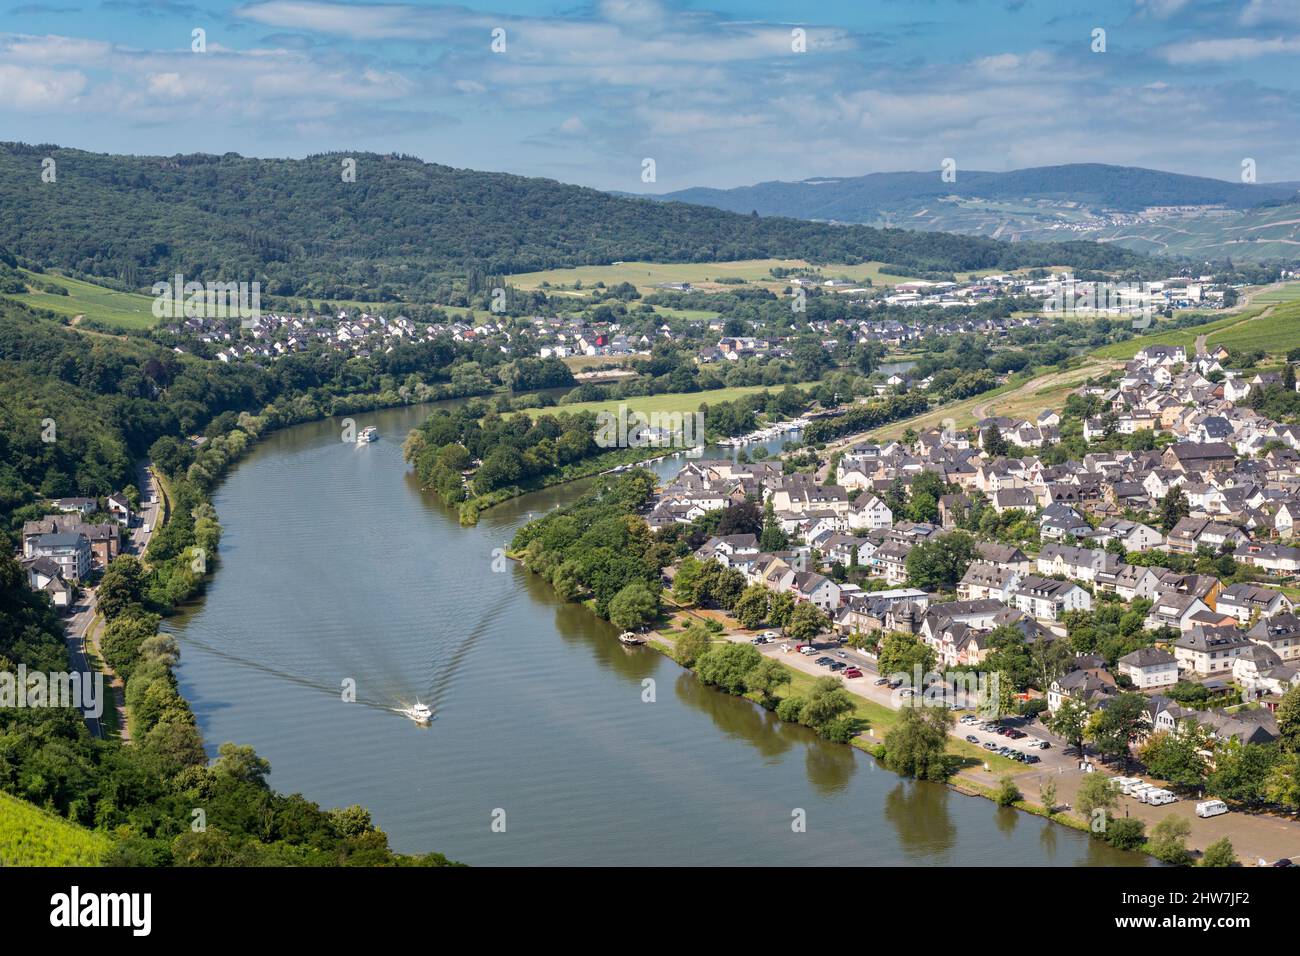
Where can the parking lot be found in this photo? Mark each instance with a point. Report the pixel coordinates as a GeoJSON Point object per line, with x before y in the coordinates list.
{"type": "Point", "coordinates": [833, 657]}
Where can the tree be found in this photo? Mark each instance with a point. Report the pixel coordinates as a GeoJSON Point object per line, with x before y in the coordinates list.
{"type": "Point", "coordinates": [1219, 853]}
{"type": "Point", "coordinates": [772, 538]}
{"type": "Point", "coordinates": [742, 518]}
{"type": "Point", "coordinates": [1008, 793]}
{"type": "Point", "coordinates": [806, 622]}
{"type": "Point", "coordinates": [780, 608]}
{"type": "Point", "coordinates": [1113, 729]}
{"type": "Point", "coordinates": [634, 606]}
{"type": "Point", "coordinates": [1176, 757]}
{"type": "Point", "coordinates": [1096, 795]}
{"type": "Point", "coordinates": [1288, 721]}
{"type": "Point", "coordinates": [902, 653]}
{"type": "Point", "coordinates": [693, 643]}
{"type": "Point", "coordinates": [1173, 509]}
{"type": "Point", "coordinates": [1126, 833]}
{"type": "Point", "coordinates": [121, 586]}
{"type": "Point", "coordinates": [938, 564]}
{"type": "Point", "coordinates": [767, 678]}
{"type": "Point", "coordinates": [1241, 771]}
{"type": "Point", "coordinates": [686, 581]}
{"type": "Point", "coordinates": [751, 608]}
{"type": "Point", "coordinates": [1169, 840]}
{"type": "Point", "coordinates": [1047, 795]}
{"type": "Point", "coordinates": [995, 446]}
{"type": "Point", "coordinates": [728, 666]}
{"type": "Point", "coordinates": [1070, 722]}
{"type": "Point", "coordinates": [825, 703]}
{"type": "Point", "coordinates": [917, 744]}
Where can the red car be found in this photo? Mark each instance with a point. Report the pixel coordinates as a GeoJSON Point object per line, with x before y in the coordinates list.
{"type": "Point", "coordinates": [853, 672]}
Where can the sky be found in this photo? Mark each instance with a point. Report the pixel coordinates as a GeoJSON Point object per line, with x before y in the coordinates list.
{"type": "Point", "coordinates": [716, 92]}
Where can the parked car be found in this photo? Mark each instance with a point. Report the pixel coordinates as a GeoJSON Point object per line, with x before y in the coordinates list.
{"type": "Point", "coordinates": [1032, 758]}
{"type": "Point", "coordinates": [971, 738]}
{"type": "Point", "coordinates": [759, 640]}
{"type": "Point", "coordinates": [838, 665]}
{"type": "Point", "coordinates": [852, 672]}
{"type": "Point", "coordinates": [770, 635]}
{"type": "Point", "coordinates": [807, 649]}
{"type": "Point", "coordinates": [881, 680]}
{"type": "Point", "coordinates": [990, 745]}
{"type": "Point", "coordinates": [1211, 808]}
{"type": "Point", "coordinates": [842, 654]}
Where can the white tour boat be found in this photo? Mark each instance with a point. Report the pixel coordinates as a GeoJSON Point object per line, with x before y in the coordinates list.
{"type": "Point", "coordinates": [418, 712]}
{"type": "Point", "coordinates": [368, 434]}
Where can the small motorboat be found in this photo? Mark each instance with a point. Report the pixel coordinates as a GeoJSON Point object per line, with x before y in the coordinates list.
{"type": "Point", "coordinates": [368, 434]}
{"type": "Point", "coordinates": [418, 712]}
{"type": "Point", "coordinates": [629, 639]}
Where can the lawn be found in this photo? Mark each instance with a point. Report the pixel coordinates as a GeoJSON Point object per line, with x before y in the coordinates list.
{"type": "Point", "coordinates": [127, 310]}
{"type": "Point", "coordinates": [669, 402]}
{"type": "Point", "coordinates": [29, 836]}
{"type": "Point", "coordinates": [881, 719]}
{"type": "Point", "coordinates": [646, 275]}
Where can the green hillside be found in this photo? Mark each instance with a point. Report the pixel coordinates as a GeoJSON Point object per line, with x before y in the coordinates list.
{"type": "Point", "coordinates": [122, 309]}
{"type": "Point", "coordinates": [31, 837]}
{"type": "Point", "coordinates": [405, 227]}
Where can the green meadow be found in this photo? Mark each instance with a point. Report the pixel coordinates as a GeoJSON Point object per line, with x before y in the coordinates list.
{"type": "Point", "coordinates": [128, 310]}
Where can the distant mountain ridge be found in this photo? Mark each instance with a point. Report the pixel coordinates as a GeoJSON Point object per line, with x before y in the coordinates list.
{"type": "Point", "coordinates": [864, 198]}
{"type": "Point", "coordinates": [1143, 209]}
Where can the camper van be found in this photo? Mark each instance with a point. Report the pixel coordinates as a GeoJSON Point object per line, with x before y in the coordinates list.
{"type": "Point", "coordinates": [1211, 808]}
{"type": "Point", "coordinates": [1159, 797]}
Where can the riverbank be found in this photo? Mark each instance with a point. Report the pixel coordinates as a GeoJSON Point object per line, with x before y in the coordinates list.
{"type": "Point", "coordinates": [1254, 836]}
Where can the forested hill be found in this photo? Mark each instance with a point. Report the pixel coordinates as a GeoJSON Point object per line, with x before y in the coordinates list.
{"type": "Point", "coordinates": [404, 225]}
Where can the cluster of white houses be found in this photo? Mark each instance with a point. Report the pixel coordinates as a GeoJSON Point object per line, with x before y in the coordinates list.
{"type": "Point", "coordinates": [63, 548]}
{"type": "Point", "coordinates": [1242, 488]}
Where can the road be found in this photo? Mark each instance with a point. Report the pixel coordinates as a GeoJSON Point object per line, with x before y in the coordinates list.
{"type": "Point", "coordinates": [79, 623]}
{"type": "Point", "coordinates": [74, 634]}
{"type": "Point", "coordinates": [150, 506]}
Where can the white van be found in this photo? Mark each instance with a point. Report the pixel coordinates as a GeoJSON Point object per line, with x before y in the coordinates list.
{"type": "Point", "coordinates": [1158, 798]}
{"type": "Point", "coordinates": [1211, 808]}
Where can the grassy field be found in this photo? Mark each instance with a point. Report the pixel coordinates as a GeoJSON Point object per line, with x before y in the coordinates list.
{"type": "Point", "coordinates": [123, 309]}
{"type": "Point", "coordinates": [646, 275]}
{"type": "Point", "coordinates": [675, 402]}
{"type": "Point", "coordinates": [30, 836]}
{"type": "Point", "coordinates": [1271, 295]}
{"type": "Point", "coordinates": [1276, 333]}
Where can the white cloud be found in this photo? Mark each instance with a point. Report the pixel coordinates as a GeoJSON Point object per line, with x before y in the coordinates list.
{"type": "Point", "coordinates": [25, 88]}
{"type": "Point", "coordinates": [1228, 49]}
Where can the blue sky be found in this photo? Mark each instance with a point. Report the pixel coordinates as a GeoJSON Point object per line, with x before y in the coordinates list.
{"type": "Point", "coordinates": [712, 91]}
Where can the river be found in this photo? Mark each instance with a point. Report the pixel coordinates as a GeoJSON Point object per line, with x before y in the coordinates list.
{"type": "Point", "coordinates": [336, 567]}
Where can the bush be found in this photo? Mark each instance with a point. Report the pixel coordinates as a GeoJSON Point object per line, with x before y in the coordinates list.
{"type": "Point", "coordinates": [789, 709]}
{"type": "Point", "coordinates": [840, 730]}
{"type": "Point", "coordinates": [1008, 793]}
{"type": "Point", "coordinates": [1126, 833]}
